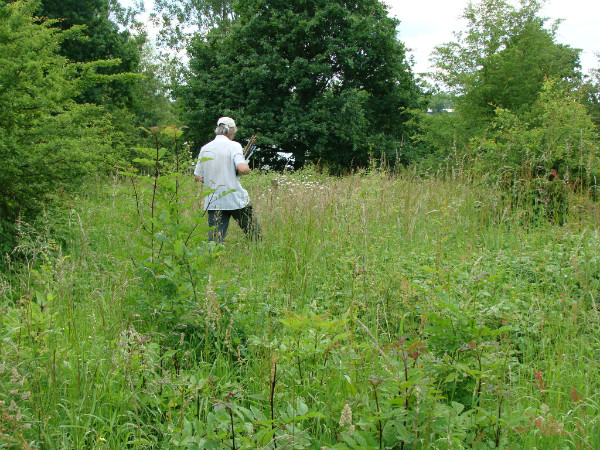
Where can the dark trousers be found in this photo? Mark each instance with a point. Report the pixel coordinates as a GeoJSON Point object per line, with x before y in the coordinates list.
{"type": "Point", "coordinates": [218, 220]}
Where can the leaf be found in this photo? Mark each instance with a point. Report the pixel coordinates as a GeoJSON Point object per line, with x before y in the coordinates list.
{"type": "Point", "coordinates": [390, 435]}
{"type": "Point", "coordinates": [453, 376]}
{"type": "Point", "coordinates": [144, 161]}
{"type": "Point", "coordinates": [301, 408]}
{"type": "Point", "coordinates": [458, 407]}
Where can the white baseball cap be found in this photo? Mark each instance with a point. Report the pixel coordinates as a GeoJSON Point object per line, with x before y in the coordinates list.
{"type": "Point", "coordinates": [226, 121]}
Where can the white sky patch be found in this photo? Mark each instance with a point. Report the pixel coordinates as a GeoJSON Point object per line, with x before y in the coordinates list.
{"type": "Point", "coordinates": [426, 24]}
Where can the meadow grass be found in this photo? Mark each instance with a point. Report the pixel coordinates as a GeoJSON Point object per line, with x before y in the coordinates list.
{"type": "Point", "coordinates": [377, 311]}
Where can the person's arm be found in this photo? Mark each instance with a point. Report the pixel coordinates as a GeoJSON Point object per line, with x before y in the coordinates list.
{"type": "Point", "coordinates": [243, 168]}
{"type": "Point", "coordinates": [240, 163]}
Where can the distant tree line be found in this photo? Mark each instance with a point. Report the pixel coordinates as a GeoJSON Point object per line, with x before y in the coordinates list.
{"type": "Point", "coordinates": [525, 114]}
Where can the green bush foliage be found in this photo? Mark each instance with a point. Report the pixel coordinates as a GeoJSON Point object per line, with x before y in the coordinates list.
{"type": "Point", "coordinates": [534, 158]}
{"type": "Point", "coordinates": [49, 142]}
{"type": "Point", "coordinates": [502, 60]}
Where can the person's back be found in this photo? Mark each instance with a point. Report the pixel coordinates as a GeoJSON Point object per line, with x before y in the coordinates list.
{"type": "Point", "coordinates": [219, 163]}
{"type": "Point", "coordinates": [219, 159]}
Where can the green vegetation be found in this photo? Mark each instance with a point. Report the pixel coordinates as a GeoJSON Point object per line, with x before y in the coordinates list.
{"type": "Point", "coordinates": [442, 294]}
{"type": "Point", "coordinates": [60, 121]}
{"type": "Point", "coordinates": [98, 38]}
{"type": "Point", "coordinates": [378, 312]}
{"type": "Point", "coordinates": [48, 142]}
{"type": "Point", "coordinates": [324, 80]}
{"type": "Point", "coordinates": [502, 60]}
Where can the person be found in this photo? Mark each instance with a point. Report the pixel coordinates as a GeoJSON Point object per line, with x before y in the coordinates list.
{"type": "Point", "coordinates": [219, 164]}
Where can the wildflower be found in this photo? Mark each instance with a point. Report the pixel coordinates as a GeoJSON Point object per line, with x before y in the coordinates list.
{"type": "Point", "coordinates": [575, 396]}
{"type": "Point", "coordinates": [15, 377]}
{"type": "Point", "coordinates": [346, 417]}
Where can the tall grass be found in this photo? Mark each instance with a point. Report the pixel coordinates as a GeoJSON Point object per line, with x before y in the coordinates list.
{"type": "Point", "coordinates": [377, 312]}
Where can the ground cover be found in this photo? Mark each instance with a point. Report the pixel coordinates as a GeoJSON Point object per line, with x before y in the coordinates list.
{"type": "Point", "coordinates": [377, 312]}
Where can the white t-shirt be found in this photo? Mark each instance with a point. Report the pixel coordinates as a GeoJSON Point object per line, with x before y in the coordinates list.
{"type": "Point", "coordinates": [218, 171]}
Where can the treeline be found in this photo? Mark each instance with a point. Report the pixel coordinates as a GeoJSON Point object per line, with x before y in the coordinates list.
{"type": "Point", "coordinates": [325, 80]}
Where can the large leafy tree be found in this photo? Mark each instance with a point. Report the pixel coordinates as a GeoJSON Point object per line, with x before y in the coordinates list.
{"type": "Point", "coordinates": [178, 20]}
{"type": "Point", "coordinates": [325, 80]}
{"type": "Point", "coordinates": [591, 91]}
{"type": "Point", "coordinates": [107, 31]}
{"type": "Point", "coordinates": [502, 60]}
{"type": "Point", "coordinates": [99, 38]}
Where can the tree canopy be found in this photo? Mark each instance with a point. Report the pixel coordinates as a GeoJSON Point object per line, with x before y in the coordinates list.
{"type": "Point", "coordinates": [325, 80]}
{"type": "Point", "coordinates": [502, 60]}
{"type": "Point", "coordinates": [98, 38]}
{"type": "Point", "coordinates": [48, 142]}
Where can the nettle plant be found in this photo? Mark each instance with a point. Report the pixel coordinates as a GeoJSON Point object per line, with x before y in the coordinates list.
{"type": "Point", "coordinates": [174, 256]}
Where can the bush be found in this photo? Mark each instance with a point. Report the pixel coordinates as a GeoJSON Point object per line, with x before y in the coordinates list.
{"type": "Point", "coordinates": [535, 157]}
{"type": "Point", "coordinates": [48, 142]}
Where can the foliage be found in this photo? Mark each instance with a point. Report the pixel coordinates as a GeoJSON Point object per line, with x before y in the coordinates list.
{"type": "Point", "coordinates": [132, 84]}
{"type": "Point", "coordinates": [393, 312]}
{"type": "Point", "coordinates": [176, 18]}
{"type": "Point", "coordinates": [150, 101]}
{"type": "Point", "coordinates": [48, 143]}
{"type": "Point", "coordinates": [539, 158]}
{"type": "Point", "coordinates": [591, 89]}
{"type": "Point", "coordinates": [326, 81]}
{"type": "Point", "coordinates": [176, 289]}
{"type": "Point", "coordinates": [379, 311]}
{"type": "Point", "coordinates": [502, 60]}
{"type": "Point", "coordinates": [99, 38]}
{"type": "Point", "coordinates": [498, 73]}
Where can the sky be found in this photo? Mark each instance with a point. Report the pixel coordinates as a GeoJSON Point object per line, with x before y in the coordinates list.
{"type": "Point", "coordinates": [425, 24]}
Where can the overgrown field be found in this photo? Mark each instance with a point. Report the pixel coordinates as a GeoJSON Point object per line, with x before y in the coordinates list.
{"type": "Point", "coordinates": [376, 312]}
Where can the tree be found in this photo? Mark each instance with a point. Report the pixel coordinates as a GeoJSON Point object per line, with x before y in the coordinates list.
{"type": "Point", "coordinates": [151, 101]}
{"type": "Point", "coordinates": [48, 142]}
{"type": "Point", "coordinates": [108, 31]}
{"type": "Point", "coordinates": [324, 80]}
{"type": "Point", "coordinates": [179, 20]}
{"type": "Point", "coordinates": [559, 137]}
{"type": "Point", "coordinates": [99, 38]}
{"type": "Point", "coordinates": [535, 157]}
{"type": "Point", "coordinates": [502, 60]}
{"type": "Point", "coordinates": [591, 91]}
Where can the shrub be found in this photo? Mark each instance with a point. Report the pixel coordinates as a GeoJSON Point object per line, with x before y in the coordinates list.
{"type": "Point", "coordinates": [48, 142]}
{"type": "Point", "coordinates": [535, 156]}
